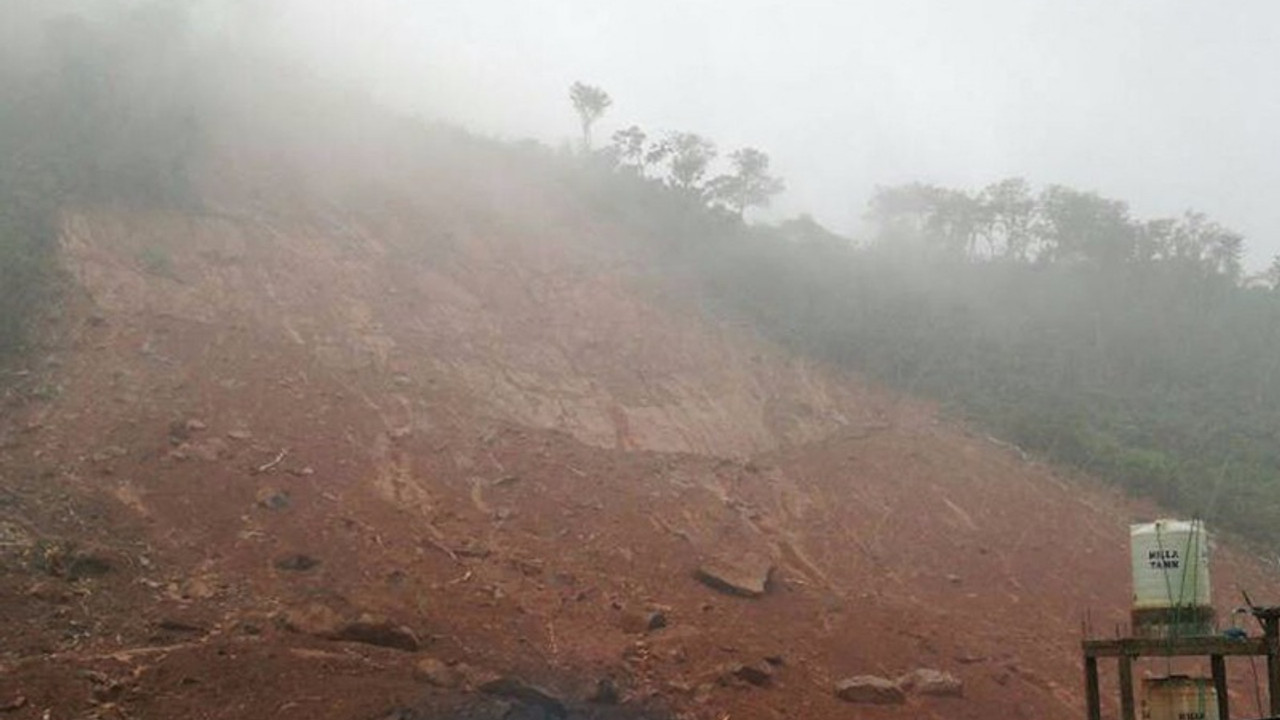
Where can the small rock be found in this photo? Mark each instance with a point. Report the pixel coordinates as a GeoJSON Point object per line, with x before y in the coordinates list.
{"type": "Point", "coordinates": [869, 689]}
{"type": "Point", "coordinates": [311, 619]}
{"type": "Point", "coordinates": [87, 565]}
{"type": "Point", "coordinates": [241, 435]}
{"type": "Point", "coordinates": [759, 674]}
{"type": "Point", "coordinates": [108, 453]}
{"type": "Point", "coordinates": [273, 499]}
{"type": "Point", "coordinates": [437, 673]}
{"type": "Point", "coordinates": [746, 576]}
{"type": "Point", "coordinates": [380, 631]}
{"type": "Point", "coordinates": [194, 425]}
{"type": "Point", "coordinates": [640, 622]}
{"type": "Point", "coordinates": [606, 692]}
{"type": "Point", "coordinates": [925, 681]}
{"type": "Point", "coordinates": [298, 562]}
{"type": "Point", "coordinates": [954, 579]}
{"type": "Point", "coordinates": [49, 592]}
{"type": "Point", "coordinates": [210, 450]}
{"type": "Point", "coordinates": [179, 626]}
{"type": "Point", "coordinates": [178, 432]}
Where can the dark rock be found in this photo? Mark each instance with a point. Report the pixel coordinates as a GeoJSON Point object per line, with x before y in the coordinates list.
{"type": "Point", "coordinates": [87, 565]}
{"type": "Point", "coordinates": [273, 499]}
{"type": "Point", "coordinates": [606, 692]}
{"type": "Point", "coordinates": [297, 562]}
{"type": "Point", "coordinates": [179, 626]}
{"type": "Point", "coordinates": [372, 630]}
{"type": "Point", "coordinates": [178, 432]}
{"type": "Point", "coordinates": [517, 690]}
{"type": "Point", "coordinates": [869, 689]}
{"type": "Point", "coordinates": [640, 622]}
{"type": "Point", "coordinates": [746, 576]}
{"type": "Point", "coordinates": [759, 674]}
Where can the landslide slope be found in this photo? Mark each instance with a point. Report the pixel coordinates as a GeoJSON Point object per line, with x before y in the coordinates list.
{"type": "Point", "coordinates": [375, 404]}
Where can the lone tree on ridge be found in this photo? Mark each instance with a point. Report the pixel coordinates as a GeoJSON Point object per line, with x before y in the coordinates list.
{"type": "Point", "coordinates": [590, 102]}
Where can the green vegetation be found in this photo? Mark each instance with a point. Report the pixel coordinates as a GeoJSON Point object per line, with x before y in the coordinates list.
{"type": "Point", "coordinates": [1132, 349]}
{"type": "Point", "coordinates": [95, 112]}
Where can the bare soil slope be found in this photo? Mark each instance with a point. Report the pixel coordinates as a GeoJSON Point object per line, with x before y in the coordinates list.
{"type": "Point", "coordinates": [292, 456]}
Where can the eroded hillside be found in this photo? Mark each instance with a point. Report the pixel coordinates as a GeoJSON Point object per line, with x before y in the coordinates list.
{"type": "Point", "coordinates": [336, 446]}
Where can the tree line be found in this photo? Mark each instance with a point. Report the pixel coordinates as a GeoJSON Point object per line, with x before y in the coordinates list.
{"type": "Point", "coordinates": [682, 160]}
{"type": "Point", "coordinates": [1135, 349]}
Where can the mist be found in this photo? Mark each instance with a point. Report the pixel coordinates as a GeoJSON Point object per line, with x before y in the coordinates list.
{"type": "Point", "coordinates": [1169, 107]}
{"type": "Point", "coordinates": [426, 361]}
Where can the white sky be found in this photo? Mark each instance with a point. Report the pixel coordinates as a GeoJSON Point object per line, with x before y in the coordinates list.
{"type": "Point", "coordinates": [1168, 104]}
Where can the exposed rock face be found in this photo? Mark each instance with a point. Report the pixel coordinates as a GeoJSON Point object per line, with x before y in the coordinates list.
{"type": "Point", "coordinates": [746, 576]}
{"type": "Point", "coordinates": [870, 690]}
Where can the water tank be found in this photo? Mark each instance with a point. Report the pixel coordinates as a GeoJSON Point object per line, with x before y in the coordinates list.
{"type": "Point", "coordinates": [1179, 698]}
{"type": "Point", "coordinates": [1170, 579]}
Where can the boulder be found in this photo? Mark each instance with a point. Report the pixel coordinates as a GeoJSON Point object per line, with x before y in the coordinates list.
{"type": "Point", "coordinates": [745, 576]}
{"type": "Point", "coordinates": [871, 690]}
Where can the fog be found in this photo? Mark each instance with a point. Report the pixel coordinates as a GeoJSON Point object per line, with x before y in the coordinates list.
{"type": "Point", "coordinates": [1166, 105]}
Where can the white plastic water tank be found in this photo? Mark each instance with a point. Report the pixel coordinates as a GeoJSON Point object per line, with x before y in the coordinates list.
{"type": "Point", "coordinates": [1179, 698]}
{"type": "Point", "coordinates": [1170, 564]}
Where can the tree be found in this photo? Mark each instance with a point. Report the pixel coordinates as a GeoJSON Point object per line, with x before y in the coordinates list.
{"type": "Point", "coordinates": [750, 185]}
{"type": "Point", "coordinates": [1084, 226]}
{"type": "Point", "coordinates": [590, 102]}
{"type": "Point", "coordinates": [1273, 273]}
{"type": "Point", "coordinates": [688, 155]}
{"type": "Point", "coordinates": [629, 146]}
{"type": "Point", "coordinates": [1010, 212]}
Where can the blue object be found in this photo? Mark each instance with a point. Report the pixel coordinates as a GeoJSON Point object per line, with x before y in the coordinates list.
{"type": "Point", "coordinates": [1235, 633]}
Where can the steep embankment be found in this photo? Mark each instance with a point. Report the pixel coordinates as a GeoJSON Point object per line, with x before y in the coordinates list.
{"type": "Point", "coordinates": [290, 448]}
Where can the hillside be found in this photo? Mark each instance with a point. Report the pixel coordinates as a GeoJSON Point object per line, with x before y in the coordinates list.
{"type": "Point", "coordinates": [367, 423]}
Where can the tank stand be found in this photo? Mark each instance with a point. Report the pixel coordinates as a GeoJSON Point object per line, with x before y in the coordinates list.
{"type": "Point", "coordinates": [1217, 649]}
